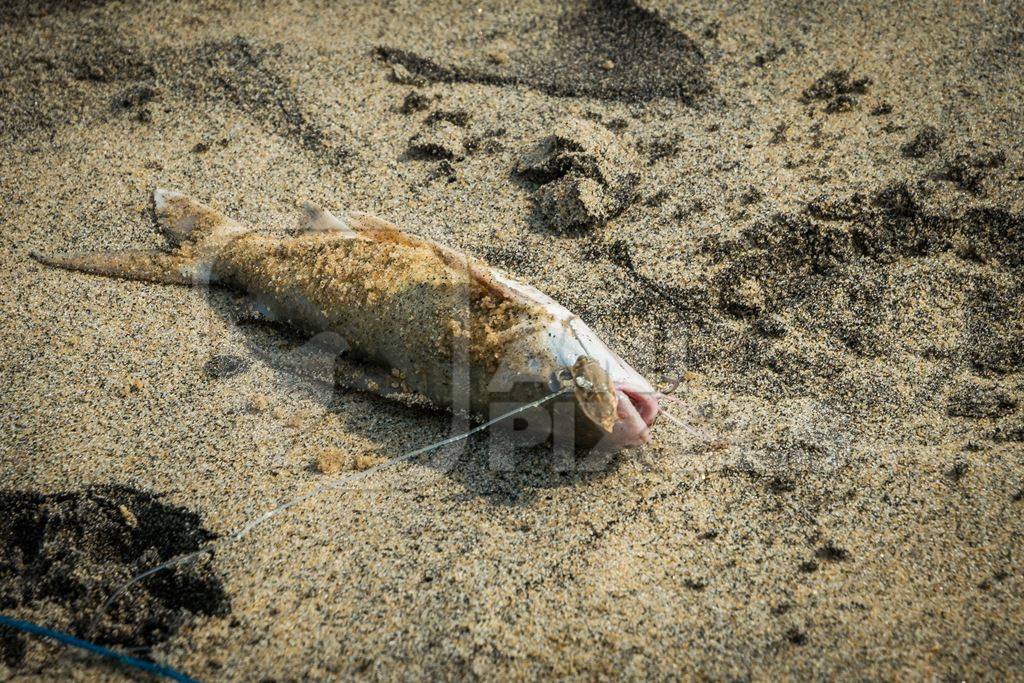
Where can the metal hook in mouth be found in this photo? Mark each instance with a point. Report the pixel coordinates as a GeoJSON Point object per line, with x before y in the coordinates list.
{"type": "Point", "coordinates": [672, 385]}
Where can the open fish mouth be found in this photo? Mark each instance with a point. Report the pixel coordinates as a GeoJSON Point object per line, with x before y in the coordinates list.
{"type": "Point", "coordinates": [637, 410]}
{"type": "Point", "coordinates": [643, 401]}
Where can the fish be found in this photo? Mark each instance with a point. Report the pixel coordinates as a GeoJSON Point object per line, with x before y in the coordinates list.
{"type": "Point", "coordinates": [421, 316]}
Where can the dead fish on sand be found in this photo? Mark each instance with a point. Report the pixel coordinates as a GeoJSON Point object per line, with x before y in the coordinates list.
{"type": "Point", "coordinates": [404, 303]}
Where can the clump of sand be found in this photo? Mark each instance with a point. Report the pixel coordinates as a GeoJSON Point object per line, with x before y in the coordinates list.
{"type": "Point", "coordinates": [586, 175]}
{"type": "Point", "coordinates": [335, 460]}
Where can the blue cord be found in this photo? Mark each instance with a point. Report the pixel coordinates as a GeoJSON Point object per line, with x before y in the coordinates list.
{"type": "Point", "coordinates": [68, 639]}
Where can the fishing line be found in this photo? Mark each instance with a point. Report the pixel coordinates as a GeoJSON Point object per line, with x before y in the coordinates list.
{"type": "Point", "coordinates": [673, 419]}
{"type": "Point", "coordinates": [674, 399]}
{"type": "Point", "coordinates": [682, 425]}
{"type": "Point", "coordinates": [351, 478]}
{"type": "Point", "coordinates": [71, 641]}
{"type": "Point", "coordinates": [695, 433]}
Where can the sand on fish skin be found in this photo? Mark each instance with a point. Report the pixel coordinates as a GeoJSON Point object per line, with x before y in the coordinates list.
{"type": "Point", "coordinates": [848, 320]}
{"type": "Point", "coordinates": [398, 301]}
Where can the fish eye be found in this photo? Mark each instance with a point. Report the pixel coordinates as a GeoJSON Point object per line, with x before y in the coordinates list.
{"type": "Point", "coordinates": [558, 378]}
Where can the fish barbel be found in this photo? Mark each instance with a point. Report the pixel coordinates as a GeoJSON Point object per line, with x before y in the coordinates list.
{"type": "Point", "coordinates": [405, 304]}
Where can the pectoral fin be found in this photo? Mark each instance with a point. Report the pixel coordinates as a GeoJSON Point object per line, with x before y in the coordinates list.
{"type": "Point", "coordinates": [366, 378]}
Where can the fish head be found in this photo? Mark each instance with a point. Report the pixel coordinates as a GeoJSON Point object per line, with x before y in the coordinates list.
{"type": "Point", "coordinates": [621, 408]}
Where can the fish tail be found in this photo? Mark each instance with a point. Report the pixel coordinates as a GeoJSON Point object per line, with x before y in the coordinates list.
{"type": "Point", "coordinates": [131, 264]}
{"type": "Point", "coordinates": [194, 230]}
{"type": "Point", "coordinates": [186, 221]}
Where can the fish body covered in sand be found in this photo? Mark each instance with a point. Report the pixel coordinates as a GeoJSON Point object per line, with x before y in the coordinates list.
{"type": "Point", "coordinates": [446, 325]}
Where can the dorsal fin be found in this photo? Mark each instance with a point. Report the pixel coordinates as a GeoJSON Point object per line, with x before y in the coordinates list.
{"type": "Point", "coordinates": [318, 219]}
{"type": "Point", "coordinates": [368, 226]}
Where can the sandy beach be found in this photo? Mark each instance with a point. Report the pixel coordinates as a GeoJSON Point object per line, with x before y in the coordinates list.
{"type": "Point", "coordinates": [810, 216]}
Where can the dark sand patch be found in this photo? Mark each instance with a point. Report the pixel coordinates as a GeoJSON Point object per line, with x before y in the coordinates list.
{"type": "Point", "coordinates": [609, 50]}
{"type": "Point", "coordinates": [67, 553]}
{"type": "Point", "coordinates": [91, 67]}
{"type": "Point", "coordinates": [927, 140]}
{"type": "Point", "coordinates": [240, 72]}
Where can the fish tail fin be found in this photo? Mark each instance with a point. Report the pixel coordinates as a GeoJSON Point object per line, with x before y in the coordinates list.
{"type": "Point", "coordinates": [195, 231]}
{"type": "Point", "coordinates": [131, 264]}
{"type": "Point", "coordinates": [186, 221]}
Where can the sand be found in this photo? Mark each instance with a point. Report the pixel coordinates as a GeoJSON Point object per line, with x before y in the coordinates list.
{"type": "Point", "coordinates": [824, 242]}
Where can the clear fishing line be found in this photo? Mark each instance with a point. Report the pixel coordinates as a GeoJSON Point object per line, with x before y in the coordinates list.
{"type": "Point", "coordinates": [351, 478]}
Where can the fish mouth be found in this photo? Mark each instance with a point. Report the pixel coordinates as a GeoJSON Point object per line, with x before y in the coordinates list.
{"type": "Point", "coordinates": [623, 410]}
{"type": "Point", "coordinates": [637, 410]}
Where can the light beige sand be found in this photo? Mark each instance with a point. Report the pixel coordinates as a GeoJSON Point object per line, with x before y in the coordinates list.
{"type": "Point", "coordinates": [858, 511]}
